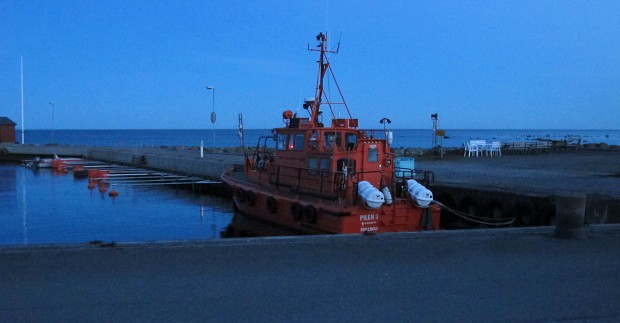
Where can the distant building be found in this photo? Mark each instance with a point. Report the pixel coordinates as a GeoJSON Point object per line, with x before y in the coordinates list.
{"type": "Point", "coordinates": [7, 130]}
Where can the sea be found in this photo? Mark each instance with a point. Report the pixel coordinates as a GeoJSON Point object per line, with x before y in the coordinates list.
{"type": "Point", "coordinates": [42, 207]}
{"type": "Point", "coordinates": [402, 138]}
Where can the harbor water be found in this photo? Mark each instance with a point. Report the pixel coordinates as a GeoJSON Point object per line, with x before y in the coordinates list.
{"type": "Point", "coordinates": [46, 207]}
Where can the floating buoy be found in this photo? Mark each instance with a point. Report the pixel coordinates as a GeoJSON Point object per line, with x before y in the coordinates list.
{"type": "Point", "coordinates": [113, 193]}
{"type": "Point", "coordinates": [102, 188]}
{"type": "Point", "coordinates": [91, 185]}
{"type": "Point", "coordinates": [93, 173]}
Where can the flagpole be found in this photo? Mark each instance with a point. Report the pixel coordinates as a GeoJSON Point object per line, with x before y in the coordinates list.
{"type": "Point", "coordinates": [21, 65]}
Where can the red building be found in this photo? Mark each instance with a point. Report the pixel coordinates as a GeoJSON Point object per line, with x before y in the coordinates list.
{"type": "Point", "coordinates": [7, 130]}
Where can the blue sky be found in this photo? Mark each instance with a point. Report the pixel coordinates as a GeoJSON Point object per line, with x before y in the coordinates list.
{"type": "Point", "coordinates": [145, 64]}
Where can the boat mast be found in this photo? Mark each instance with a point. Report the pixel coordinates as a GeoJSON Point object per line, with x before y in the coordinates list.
{"type": "Point", "coordinates": [318, 96]}
{"type": "Point", "coordinates": [314, 111]}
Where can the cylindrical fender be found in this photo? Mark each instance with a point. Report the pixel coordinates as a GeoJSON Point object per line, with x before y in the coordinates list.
{"type": "Point", "coordinates": [297, 211]}
{"type": "Point", "coordinates": [251, 197]}
{"type": "Point", "coordinates": [240, 193]}
{"type": "Point", "coordinates": [272, 204]}
{"type": "Point", "coordinates": [310, 214]}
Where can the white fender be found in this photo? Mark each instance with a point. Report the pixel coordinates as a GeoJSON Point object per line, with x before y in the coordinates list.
{"type": "Point", "coordinates": [387, 195]}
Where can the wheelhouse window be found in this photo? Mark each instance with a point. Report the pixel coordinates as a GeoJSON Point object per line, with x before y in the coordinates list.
{"type": "Point", "coordinates": [351, 141]}
{"type": "Point", "coordinates": [314, 140]}
{"type": "Point", "coordinates": [339, 140]}
{"type": "Point", "coordinates": [313, 164]}
{"type": "Point", "coordinates": [373, 154]}
{"type": "Point", "coordinates": [298, 142]}
{"type": "Point", "coordinates": [281, 141]}
{"type": "Point", "coordinates": [324, 166]}
{"type": "Point", "coordinates": [328, 144]}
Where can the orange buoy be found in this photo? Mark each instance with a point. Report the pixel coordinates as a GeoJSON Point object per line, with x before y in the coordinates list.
{"type": "Point", "coordinates": [55, 163]}
{"type": "Point", "coordinates": [91, 185]}
{"type": "Point", "coordinates": [113, 193]}
{"type": "Point", "coordinates": [62, 167]}
{"type": "Point", "coordinates": [93, 173]}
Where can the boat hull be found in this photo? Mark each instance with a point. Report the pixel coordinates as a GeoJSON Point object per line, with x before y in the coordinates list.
{"type": "Point", "coordinates": [308, 215]}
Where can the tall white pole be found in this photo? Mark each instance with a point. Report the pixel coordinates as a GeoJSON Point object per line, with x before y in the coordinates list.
{"type": "Point", "coordinates": [53, 108]}
{"type": "Point", "coordinates": [21, 68]}
{"type": "Point", "coordinates": [213, 116]}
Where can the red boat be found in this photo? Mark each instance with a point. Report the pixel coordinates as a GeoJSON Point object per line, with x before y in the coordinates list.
{"type": "Point", "coordinates": [332, 178]}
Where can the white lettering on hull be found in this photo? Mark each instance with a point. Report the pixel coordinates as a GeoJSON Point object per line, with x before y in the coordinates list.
{"type": "Point", "coordinates": [368, 222]}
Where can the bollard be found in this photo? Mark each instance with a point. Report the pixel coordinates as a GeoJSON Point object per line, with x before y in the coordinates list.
{"type": "Point", "coordinates": [570, 213]}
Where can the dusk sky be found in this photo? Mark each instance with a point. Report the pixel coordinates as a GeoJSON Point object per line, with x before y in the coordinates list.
{"type": "Point", "coordinates": [146, 64]}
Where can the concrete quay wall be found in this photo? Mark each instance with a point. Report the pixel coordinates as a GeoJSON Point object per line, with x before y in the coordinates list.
{"type": "Point", "coordinates": [211, 166]}
{"type": "Point", "coordinates": [43, 150]}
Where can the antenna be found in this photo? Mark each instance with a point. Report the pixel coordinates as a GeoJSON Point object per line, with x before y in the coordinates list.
{"type": "Point", "coordinates": [339, 38]}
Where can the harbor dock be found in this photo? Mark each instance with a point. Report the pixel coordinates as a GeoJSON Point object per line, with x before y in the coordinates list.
{"type": "Point", "coordinates": [503, 275]}
{"type": "Point", "coordinates": [509, 275]}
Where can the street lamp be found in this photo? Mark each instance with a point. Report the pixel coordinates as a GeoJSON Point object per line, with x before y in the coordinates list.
{"type": "Point", "coordinates": [53, 108]}
{"type": "Point", "coordinates": [213, 117]}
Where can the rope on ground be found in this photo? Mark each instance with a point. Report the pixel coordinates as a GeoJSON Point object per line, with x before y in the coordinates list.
{"type": "Point", "coordinates": [478, 219]}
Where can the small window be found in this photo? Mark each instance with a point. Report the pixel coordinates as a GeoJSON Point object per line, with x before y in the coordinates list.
{"type": "Point", "coordinates": [351, 140]}
{"type": "Point", "coordinates": [324, 167]}
{"type": "Point", "coordinates": [314, 140]}
{"type": "Point", "coordinates": [281, 141]}
{"type": "Point", "coordinates": [329, 141]}
{"type": "Point", "coordinates": [299, 142]}
{"type": "Point", "coordinates": [339, 140]}
{"type": "Point", "coordinates": [373, 155]}
{"type": "Point", "coordinates": [312, 165]}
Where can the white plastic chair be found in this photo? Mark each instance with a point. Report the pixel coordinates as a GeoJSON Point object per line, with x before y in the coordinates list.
{"type": "Point", "coordinates": [496, 149]}
{"type": "Point", "coordinates": [471, 148]}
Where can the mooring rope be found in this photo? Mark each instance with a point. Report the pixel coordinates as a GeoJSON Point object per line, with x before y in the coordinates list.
{"type": "Point", "coordinates": [477, 219]}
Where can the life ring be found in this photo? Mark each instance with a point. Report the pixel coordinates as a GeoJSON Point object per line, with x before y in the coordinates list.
{"type": "Point", "coordinates": [310, 214]}
{"type": "Point", "coordinates": [297, 211]}
{"type": "Point", "coordinates": [251, 197]}
{"type": "Point", "coordinates": [240, 193]}
{"type": "Point", "coordinates": [272, 204]}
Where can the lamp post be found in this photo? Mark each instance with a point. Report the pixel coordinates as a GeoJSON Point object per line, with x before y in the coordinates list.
{"type": "Point", "coordinates": [213, 117]}
{"type": "Point", "coordinates": [53, 108]}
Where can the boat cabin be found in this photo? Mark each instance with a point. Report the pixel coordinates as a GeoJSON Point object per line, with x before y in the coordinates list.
{"type": "Point", "coordinates": [320, 160]}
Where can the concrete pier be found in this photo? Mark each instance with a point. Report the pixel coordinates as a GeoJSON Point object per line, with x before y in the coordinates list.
{"type": "Point", "coordinates": [505, 275]}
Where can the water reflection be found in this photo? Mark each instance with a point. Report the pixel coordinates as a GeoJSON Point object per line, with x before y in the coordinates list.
{"type": "Point", "coordinates": [45, 207]}
{"type": "Point", "coordinates": [243, 226]}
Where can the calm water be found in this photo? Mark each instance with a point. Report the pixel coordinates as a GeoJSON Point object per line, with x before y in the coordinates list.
{"type": "Point", "coordinates": [44, 207]}
{"type": "Point", "coordinates": [418, 138]}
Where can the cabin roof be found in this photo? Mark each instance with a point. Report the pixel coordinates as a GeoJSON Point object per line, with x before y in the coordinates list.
{"type": "Point", "coordinates": [4, 121]}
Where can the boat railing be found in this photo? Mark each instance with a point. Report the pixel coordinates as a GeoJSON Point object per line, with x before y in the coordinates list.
{"type": "Point", "coordinates": [261, 153]}
{"type": "Point", "coordinates": [319, 183]}
{"type": "Point", "coordinates": [329, 184]}
{"type": "Point", "coordinates": [425, 177]}
{"type": "Point", "coordinates": [373, 134]}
